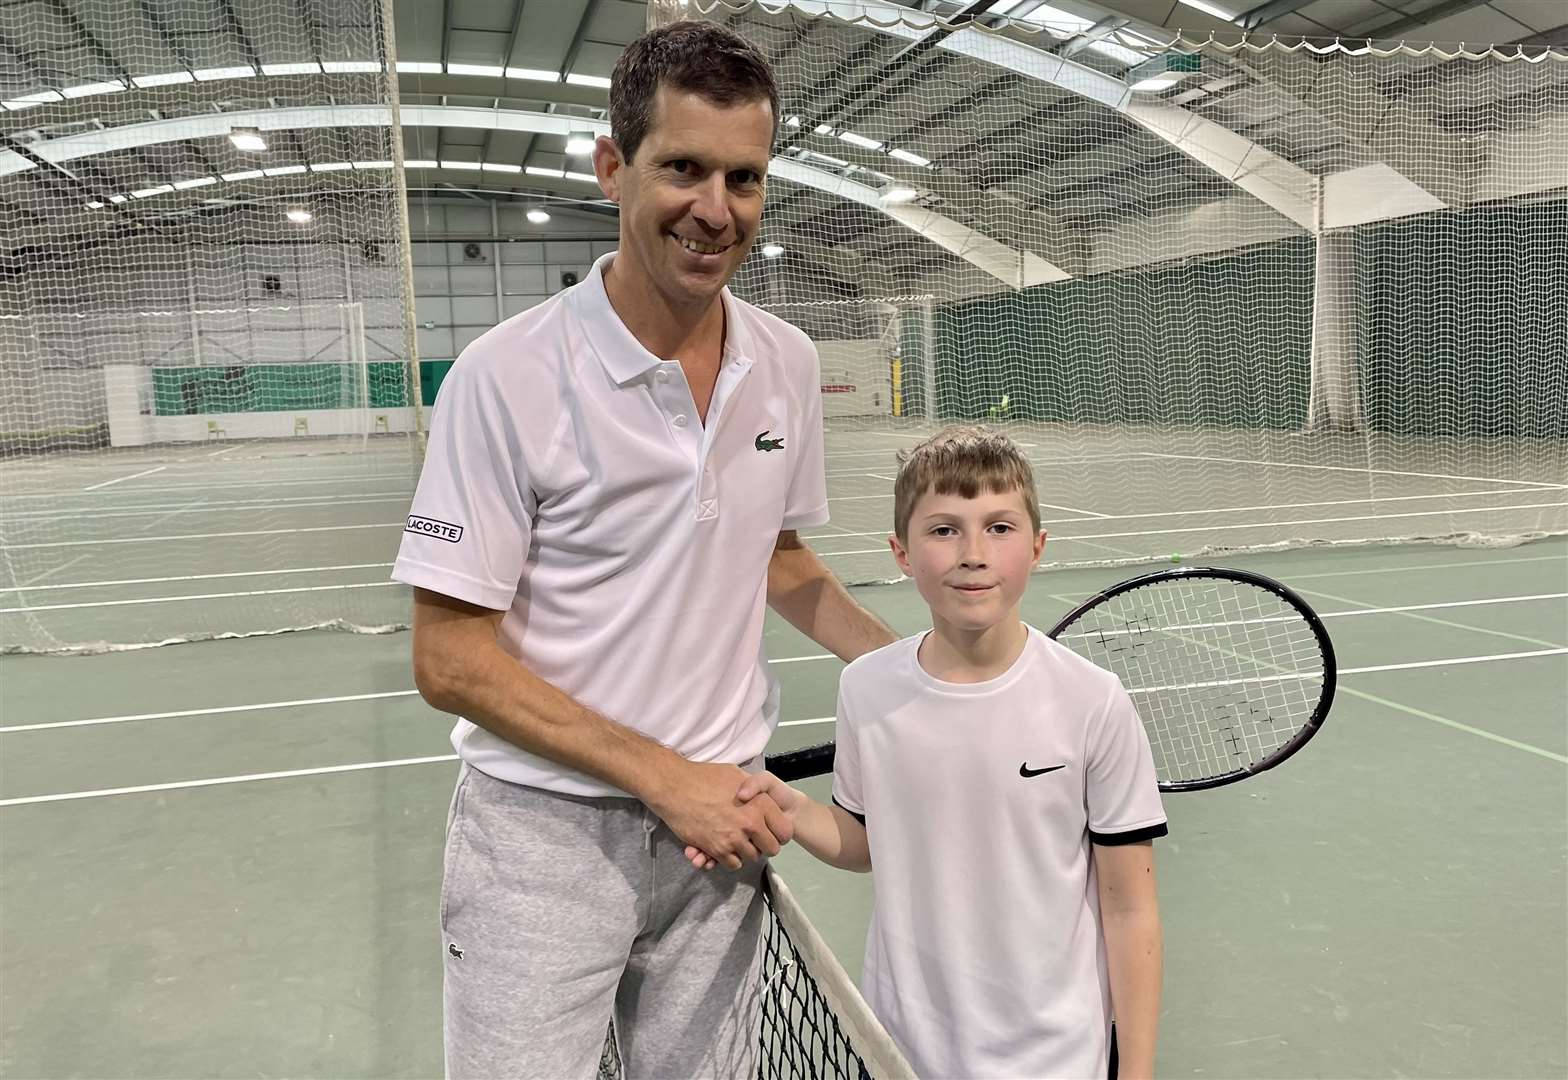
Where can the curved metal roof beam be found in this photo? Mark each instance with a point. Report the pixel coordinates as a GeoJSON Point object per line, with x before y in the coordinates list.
{"type": "Point", "coordinates": [1278, 183]}
{"type": "Point", "coordinates": [1017, 269]}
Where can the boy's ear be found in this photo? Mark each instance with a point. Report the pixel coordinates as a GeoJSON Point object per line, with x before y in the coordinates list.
{"type": "Point", "coordinates": [1039, 545]}
{"type": "Point", "coordinates": [900, 556]}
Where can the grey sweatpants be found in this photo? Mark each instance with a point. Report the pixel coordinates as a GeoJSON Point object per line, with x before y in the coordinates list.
{"type": "Point", "coordinates": [559, 912]}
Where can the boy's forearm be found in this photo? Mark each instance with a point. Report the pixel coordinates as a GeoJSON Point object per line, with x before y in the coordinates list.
{"type": "Point", "coordinates": [1134, 948]}
{"type": "Point", "coordinates": [833, 836]}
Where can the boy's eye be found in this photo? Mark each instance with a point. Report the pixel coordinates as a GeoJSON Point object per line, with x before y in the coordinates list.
{"type": "Point", "coordinates": [1002, 526]}
{"type": "Point", "coordinates": [942, 530]}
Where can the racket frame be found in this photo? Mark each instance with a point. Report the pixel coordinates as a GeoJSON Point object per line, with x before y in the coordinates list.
{"type": "Point", "coordinates": [808, 761]}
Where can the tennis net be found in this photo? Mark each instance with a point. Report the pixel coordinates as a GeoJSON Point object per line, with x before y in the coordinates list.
{"type": "Point", "coordinates": [813, 1022]}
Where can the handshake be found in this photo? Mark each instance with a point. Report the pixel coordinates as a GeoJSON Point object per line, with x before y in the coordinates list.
{"type": "Point", "coordinates": [728, 817]}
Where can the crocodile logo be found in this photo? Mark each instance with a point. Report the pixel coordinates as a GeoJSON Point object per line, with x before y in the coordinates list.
{"type": "Point", "coordinates": [765, 444]}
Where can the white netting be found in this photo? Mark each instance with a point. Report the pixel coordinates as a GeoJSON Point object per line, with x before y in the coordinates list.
{"type": "Point", "coordinates": [1229, 296]}
{"type": "Point", "coordinates": [209, 404]}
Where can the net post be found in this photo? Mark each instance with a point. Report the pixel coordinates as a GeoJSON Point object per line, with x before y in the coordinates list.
{"type": "Point", "coordinates": [405, 244]}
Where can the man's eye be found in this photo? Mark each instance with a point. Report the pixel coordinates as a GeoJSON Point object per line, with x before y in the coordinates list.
{"type": "Point", "coordinates": [744, 177]}
{"type": "Point", "coordinates": [682, 166]}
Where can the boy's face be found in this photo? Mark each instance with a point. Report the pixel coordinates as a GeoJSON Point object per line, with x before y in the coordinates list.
{"type": "Point", "coordinates": [691, 199]}
{"type": "Point", "coordinates": [970, 558]}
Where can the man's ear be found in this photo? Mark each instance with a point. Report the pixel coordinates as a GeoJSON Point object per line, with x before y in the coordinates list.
{"type": "Point", "coordinates": [607, 166]}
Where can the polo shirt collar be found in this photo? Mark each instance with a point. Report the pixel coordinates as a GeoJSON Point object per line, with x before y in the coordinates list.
{"type": "Point", "coordinates": [622, 355]}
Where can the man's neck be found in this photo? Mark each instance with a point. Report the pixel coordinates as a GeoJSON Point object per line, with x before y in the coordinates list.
{"type": "Point", "coordinates": [666, 331]}
{"type": "Point", "coordinates": [971, 656]}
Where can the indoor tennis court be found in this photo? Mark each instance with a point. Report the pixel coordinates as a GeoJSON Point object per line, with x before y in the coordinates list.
{"type": "Point", "coordinates": [1295, 304]}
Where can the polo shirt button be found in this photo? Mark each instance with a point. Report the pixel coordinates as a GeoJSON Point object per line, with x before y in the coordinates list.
{"type": "Point", "coordinates": [679, 421]}
{"type": "Point", "coordinates": [662, 375]}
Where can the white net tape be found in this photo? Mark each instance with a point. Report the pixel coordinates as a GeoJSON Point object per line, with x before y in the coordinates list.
{"type": "Point", "coordinates": [208, 403]}
{"type": "Point", "coordinates": [1229, 295]}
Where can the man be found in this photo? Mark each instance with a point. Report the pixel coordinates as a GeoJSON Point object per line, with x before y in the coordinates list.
{"type": "Point", "coordinates": [612, 490]}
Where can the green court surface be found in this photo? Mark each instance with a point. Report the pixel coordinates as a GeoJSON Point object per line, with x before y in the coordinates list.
{"type": "Point", "coordinates": [1392, 902]}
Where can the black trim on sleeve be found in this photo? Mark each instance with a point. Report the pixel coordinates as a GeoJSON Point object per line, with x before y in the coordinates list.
{"type": "Point", "coordinates": [1132, 836]}
{"type": "Point", "coordinates": [858, 817]}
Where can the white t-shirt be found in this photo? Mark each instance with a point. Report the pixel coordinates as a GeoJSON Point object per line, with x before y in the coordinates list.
{"type": "Point", "coordinates": [985, 956]}
{"type": "Point", "coordinates": [569, 482]}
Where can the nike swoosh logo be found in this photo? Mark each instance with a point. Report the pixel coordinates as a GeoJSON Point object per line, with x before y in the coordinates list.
{"type": "Point", "coordinates": [1025, 771]}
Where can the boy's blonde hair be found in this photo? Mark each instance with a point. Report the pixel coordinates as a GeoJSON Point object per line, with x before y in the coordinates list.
{"type": "Point", "coordinates": [962, 461]}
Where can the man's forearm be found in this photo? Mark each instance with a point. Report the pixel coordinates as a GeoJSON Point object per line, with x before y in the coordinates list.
{"type": "Point", "coordinates": [1134, 947]}
{"type": "Point", "coordinates": [461, 669]}
{"type": "Point", "coordinates": [803, 590]}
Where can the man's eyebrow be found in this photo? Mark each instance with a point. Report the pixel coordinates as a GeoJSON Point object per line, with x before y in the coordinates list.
{"type": "Point", "coordinates": [679, 154]}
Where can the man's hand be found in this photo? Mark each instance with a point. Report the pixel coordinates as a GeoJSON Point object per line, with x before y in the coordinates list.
{"type": "Point", "coordinates": [706, 813]}
{"type": "Point", "coordinates": [759, 786]}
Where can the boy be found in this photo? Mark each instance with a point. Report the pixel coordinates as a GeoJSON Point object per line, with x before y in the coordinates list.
{"type": "Point", "coordinates": [1004, 789]}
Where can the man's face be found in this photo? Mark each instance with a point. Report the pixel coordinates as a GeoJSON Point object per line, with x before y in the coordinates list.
{"type": "Point", "coordinates": [691, 200]}
{"type": "Point", "coordinates": [970, 558]}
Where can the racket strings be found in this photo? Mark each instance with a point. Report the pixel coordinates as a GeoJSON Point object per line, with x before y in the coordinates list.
{"type": "Point", "coordinates": [1222, 672]}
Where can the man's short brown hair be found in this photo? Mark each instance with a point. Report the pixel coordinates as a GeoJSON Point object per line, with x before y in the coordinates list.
{"type": "Point", "coordinates": [698, 57]}
{"type": "Point", "coordinates": [962, 461]}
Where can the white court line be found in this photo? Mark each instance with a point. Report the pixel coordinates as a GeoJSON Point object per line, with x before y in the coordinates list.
{"type": "Point", "coordinates": [263, 706]}
{"type": "Point", "coordinates": [1477, 564]}
{"type": "Point", "coordinates": [329, 769]}
{"type": "Point", "coordinates": [122, 479]}
{"type": "Point", "coordinates": [201, 596]}
{"type": "Point", "coordinates": [220, 485]}
{"type": "Point", "coordinates": [30, 587]}
{"type": "Point", "coordinates": [188, 577]}
{"type": "Point", "coordinates": [145, 788]}
{"type": "Point", "coordinates": [1074, 510]}
{"type": "Point", "coordinates": [255, 707]}
{"type": "Point", "coordinates": [1349, 468]}
{"type": "Point", "coordinates": [201, 536]}
{"type": "Point", "coordinates": [879, 476]}
{"type": "Point", "coordinates": [225, 450]}
{"type": "Point", "coordinates": [1195, 511]}
{"type": "Point", "coordinates": [204, 506]}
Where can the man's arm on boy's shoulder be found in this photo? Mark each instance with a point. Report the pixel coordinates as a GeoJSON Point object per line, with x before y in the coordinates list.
{"type": "Point", "coordinates": [803, 590]}
{"type": "Point", "coordinates": [1134, 950]}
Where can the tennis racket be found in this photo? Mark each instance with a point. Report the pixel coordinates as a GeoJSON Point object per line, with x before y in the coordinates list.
{"type": "Point", "coordinates": [1230, 671]}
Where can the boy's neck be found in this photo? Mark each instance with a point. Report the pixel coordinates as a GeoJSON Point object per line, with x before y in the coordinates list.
{"type": "Point", "coordinates": [955, 655]}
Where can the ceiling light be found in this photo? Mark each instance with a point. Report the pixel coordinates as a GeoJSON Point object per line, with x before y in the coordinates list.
{"type": "Point", "coordinates": [861, 141]}
{"type": "Point", "coordinates": [772, 251]}
{"type": "Point", "coordinates": [538, 216]}
{"type": "Point", "coordinates": [911, 158]}
{"type": "Point", "coordinates": [579, 143]}
{"type": "Point", "coordinates": [1208, 9]}
{"type": "Point", "coordinates": [899, 193]}
{"type": "Point", "coordinates": [299, 215]}
{"type": "Point", "coordinates": [248, 139]}
{"type": "Point", "coordinates": [1157, 82]}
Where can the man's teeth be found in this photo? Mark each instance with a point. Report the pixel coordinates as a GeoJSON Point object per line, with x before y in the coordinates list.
{"type": "Point", "coordinates": [702, 249]}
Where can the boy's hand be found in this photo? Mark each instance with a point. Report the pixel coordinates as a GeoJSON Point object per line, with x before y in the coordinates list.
{"type": "Point", "coordinates": [764, 783]}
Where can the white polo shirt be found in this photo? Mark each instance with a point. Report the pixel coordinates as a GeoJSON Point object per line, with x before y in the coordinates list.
{"type": "Point", "coordinates": [985, 956]}
{"type": "Point", "coordinates": [570, 483]}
